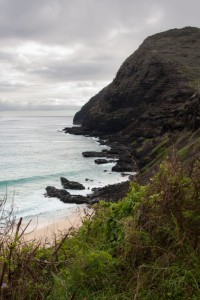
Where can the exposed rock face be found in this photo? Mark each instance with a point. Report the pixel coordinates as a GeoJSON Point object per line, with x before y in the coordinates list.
{"type": "Point", "coordinates": [119, 154]}
{"type": "Point", "coordinates": [152, 90]}
{"type": "Point", "coordinates": [65, 196]}
{"type": "Point", "coordinates": [54, 192]}
{"type": "Point", "coordinates": [112, 192]}
{"type": "Point", "coordinates": [71, 185]}
{"type": "Point", "coordinates": [153, 100]}
{"type": "Point", "coordinates": [99, 154]}
{"type": "Point", "coordinates": [102, 161]}
{"type": "Point", "coordinates": [123, 167]}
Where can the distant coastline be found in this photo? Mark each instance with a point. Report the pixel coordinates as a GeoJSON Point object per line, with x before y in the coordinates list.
{"type": "Point", "coordinates": [38, 113]}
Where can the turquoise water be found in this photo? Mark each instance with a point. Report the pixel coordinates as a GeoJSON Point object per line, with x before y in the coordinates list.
{"type": "Point", "coordinates": [35, 153]}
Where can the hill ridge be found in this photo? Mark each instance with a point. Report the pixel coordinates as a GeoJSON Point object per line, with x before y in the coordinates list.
{"type": "Point", "coordinates": [155, 94]}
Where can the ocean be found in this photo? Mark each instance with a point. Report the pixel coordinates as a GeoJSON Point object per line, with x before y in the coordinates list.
{"type": "Point", "coordinates": [35, 153]}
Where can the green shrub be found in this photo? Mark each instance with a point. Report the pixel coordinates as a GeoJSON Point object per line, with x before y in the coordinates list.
{"type": "Point", "coordinates": [145, 247]}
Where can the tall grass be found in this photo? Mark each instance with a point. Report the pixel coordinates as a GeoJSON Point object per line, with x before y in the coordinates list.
{"type": "Point", "coordinates": [146, 246]}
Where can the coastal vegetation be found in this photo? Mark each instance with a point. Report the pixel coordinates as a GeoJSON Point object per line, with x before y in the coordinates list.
{"type": "Point", "coordinates": [145, 246]}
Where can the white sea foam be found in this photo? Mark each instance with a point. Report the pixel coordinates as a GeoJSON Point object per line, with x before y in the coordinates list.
{"type": "Point", "coordinates": [35, 154]}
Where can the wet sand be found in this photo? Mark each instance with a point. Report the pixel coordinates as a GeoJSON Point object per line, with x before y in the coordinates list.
{"type": "Point", "coordinates": [49, 233]}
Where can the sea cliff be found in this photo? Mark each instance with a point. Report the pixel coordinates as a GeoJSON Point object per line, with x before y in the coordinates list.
{"type": "Point", "coordinates": [153, 102]}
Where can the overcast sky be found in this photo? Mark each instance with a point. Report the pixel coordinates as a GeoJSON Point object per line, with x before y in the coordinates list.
{"type": "Point", "coordinates": [56, 54]}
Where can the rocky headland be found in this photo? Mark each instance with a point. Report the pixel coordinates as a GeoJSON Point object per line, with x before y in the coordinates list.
{"type": "Point", "coordinates": [152, 104]}
{"type": "Point", "coordinates": [71, 185]}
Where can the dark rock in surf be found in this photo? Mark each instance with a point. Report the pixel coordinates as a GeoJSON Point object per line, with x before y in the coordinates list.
{"type": "Point", "coordinates": [58, 193]}
{"type": "Point", "coordinates": [65, 196]}
{"type": "Point", "coordinates": [101, 161]}
{"type": "Point", "coordinates": [99, 154]}
{"type": "Point", "coordinates": [112, 192]}
{"type": "Point", "coordinates": [123, 167]}
{"type": "Point", "coordinates": [71, 185]}
{"type": "Point", "coordinates": [87, 179]}
{"type": "Point", "coordinates": [124, 174]}
{"type": "Point", "coordinates": [78, 199]}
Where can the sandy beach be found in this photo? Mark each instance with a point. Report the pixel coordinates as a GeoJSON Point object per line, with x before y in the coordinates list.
{"type": "Point", "coordinates": [47, 234]}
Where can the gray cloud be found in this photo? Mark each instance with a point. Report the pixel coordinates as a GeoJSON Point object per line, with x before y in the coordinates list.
{"type": "Point", "coordinates": [67, 21]}
{"type": "Point", "coordinates": [68, 50]}
{"type": "Point", "coordinates": [72, 71]}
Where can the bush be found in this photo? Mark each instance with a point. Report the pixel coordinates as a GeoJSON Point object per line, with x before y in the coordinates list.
{"type": "Point", "coordinates": [146, 246]}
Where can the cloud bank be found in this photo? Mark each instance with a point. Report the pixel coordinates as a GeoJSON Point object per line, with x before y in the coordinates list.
{"type": "Point", "coordinates": [59, 53]}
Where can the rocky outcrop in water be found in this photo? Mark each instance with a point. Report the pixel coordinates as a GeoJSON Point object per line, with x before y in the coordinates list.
{"type": "Point", "coordinates": [58, 193]}
{"type": "Point", "coordinates": [64, 196]}
{"type": "Point", "coordinates": [71, 185]}
{"type": "Point", "coordinates": [120, 154]}
{"type": "Point", "coordinates": [101, 161]}
{"type": "Point", "coordinates": [113, 192]}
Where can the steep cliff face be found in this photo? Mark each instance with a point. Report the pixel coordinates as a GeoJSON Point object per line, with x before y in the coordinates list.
{"type": "Point", "coordinates": [154, 101]}
{"type": "Point", "coordinates": [152, 90]}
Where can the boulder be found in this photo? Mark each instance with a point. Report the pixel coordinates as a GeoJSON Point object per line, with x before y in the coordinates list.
{"type": "Point", "coordinates": [123, 167]}
{"type": "Point", "coordinates": [99, 154]}
{"type": "Point", "coordinates": [87, 179]}
{"type": "Point", "coordinates": [58, 193]}
{"type": "Point", "coordinates": [113, 192]}
{"type": "Point", "coordinates": [71, 185]}
{"type": "Point", "coordinates": [100, 161]}
{"type": "Point", "coordinates": [65, 196]}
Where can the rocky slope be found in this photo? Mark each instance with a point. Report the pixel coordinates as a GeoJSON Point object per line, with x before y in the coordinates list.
{"type": "Point", "coordinates": [154, 100]}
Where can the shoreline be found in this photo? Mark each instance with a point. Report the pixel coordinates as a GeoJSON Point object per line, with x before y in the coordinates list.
{"type": "Point", "coordinates": [113, 192]}
{"type": "Point", "coordinates": [119, 149]}
{"type": "Point", "coordinates": [49, 233]}
{"type": "Point", "coordinates": [117, 152]}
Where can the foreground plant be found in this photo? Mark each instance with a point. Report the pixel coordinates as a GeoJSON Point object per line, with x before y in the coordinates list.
{"type": "Point", "coordinates": [146, 246]}
{"type": "Point", "coordinates": [143, 247]}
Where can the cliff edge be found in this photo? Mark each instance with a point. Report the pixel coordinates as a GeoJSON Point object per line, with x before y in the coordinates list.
{"type": "Point", "coordinates": [154, 100]}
